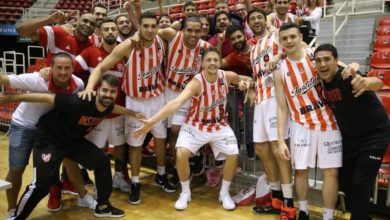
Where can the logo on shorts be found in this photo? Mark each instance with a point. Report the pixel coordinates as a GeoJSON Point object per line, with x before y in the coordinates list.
{"type": "Point", "coordinates": [46, 157]}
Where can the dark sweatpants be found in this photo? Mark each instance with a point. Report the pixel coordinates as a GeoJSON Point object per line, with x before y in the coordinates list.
{"type": "Point", "coordinates": [48, 155]}
{"type": "Point", "coordinates": [357, 177]}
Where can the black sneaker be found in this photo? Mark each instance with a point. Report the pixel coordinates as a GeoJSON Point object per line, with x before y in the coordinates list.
{"type": "Point", "coordinates": [86, 179]}
{"type": "Point", "coordinates": [162, 181]}
{"type": "Point", "coordinates": [174, 181]}
{"type": "Point", "coordinates": [197, 165]}
{"type": "Point", "coordinates": [267, 209]}
{"type": "Point", "coordinates": [135, 194]}
{"type": "Point", "coordinates": [109, 212]}
{"type": "Point", "coordinates": [303, 216]}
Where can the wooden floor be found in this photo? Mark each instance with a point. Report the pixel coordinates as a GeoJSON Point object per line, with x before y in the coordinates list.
{"type": "Point", "coordinates": [155, 203]}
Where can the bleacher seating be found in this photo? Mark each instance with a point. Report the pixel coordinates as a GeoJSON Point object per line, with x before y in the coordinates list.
{"type": "Point", "coordinates": [380, 60]}
{"type": "Point", "coordinates": [10, 11]}
{"type": "Point", "coordinates": [383, 75]}
{"type": "Point", "coordinates": [84, 6]}
{"type": "Point", "coordinates": [382, 43]}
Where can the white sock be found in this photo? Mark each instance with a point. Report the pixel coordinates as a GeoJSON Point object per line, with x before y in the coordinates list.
{"type": "Point", "coordinates": [185, 186]}
{"type": "Point", "coordinates": [275, 186]}
{"type": "Point", "coordinates": [225, 187]}
{"type": "Point", "coordinates": [135, 179]}
{"type": "Point", "coordinates": [161, 170]}
{"type": "Point", "coordinates": [302, 205]}
{"type": "Point", "coordinates": [327, 214]}
{"type": "Point", "coordinates": [287, 190]}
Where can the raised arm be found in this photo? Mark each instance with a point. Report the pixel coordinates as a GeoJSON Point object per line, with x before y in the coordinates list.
{"type": "Point", "coordinates": [133, 8]}
{"type": "Point", "coordinates": [30, 27]}
{"type": "Point", "coordinates": [282, 115]}
{"type": "Point", "coordinates": [120, 52]}
{"type": "Point", "coordinates": [248, 4]}
{"type": "Point", "coordinates": [160, 8]}
{"type": "Point", "coordinates": [28, 97]}
{"type": "Point", "coordinates": [193, 88]}
{"type": "Point", "coordinates": [167, 33]}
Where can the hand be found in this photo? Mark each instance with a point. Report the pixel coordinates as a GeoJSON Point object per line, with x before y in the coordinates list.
{"type": "Point", "coordinates": [144, 129]}
{"type": "Point", "coordinates": [282, 152]}
{"type": "Point", "coordinates": [45, 72]}
{"type": "Point", "coordinates": [347, 72]}
{"type": "Point", "coordinates": [359, 84]}
{"type": "Point", "coordinates": [244, 85]}
{"type": "Point", "coordinates": [139, 115]}
{"type": "Point", "coordinates": [176, 25]}
{"type": "Point", "coordinates": [135, 41]}
{"type": "Point", "coordinates": [220, 38]}
{"type": "Point", "coordinates": [86, 94]}
{"type": "Point", "coordinates": [271, 66]}
{"type": "Point", "coordinates": [59, 17]}
{"type": "Point", "coordinates": [251, 96]}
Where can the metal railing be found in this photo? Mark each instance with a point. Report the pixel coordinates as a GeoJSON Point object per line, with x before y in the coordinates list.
{"type": "Point", "coordinates": [355, 6]}
{"type": "Point", "coordinates": [336, 32]}
{"type": "Point", "coordinates": [29, 52]}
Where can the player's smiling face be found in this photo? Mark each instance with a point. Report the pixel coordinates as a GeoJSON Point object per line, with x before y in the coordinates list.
{"type": "Point", "coordinates": [107, 94]}
{"type": "Point", "coordinates": [211, 62]}
{"type": "Point", "coordinates": [192, 33]}
{"type": "Point", "coordinates": [290, 39]}
{"type": "Point", "coordinates": [109, 32]}
{"type": "Point", "coordinates": [326, 65]}
{"type": "Point", "coordinates": [86, 25]}
{"type": "Point", "coordinates": [257, 22]}
{"type": "Point", "coordinates": [62, 69]}
{"type": "Point", "coordinates": [148, 28]}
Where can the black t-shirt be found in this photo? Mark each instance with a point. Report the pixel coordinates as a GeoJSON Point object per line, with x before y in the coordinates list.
{"type": "Point", "coordinates": [360, 119]}
{"type": "Point", "coordinates": [71, 119]}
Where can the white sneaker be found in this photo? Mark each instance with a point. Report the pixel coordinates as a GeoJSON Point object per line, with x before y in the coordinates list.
{"type": "Point", "coordinates": [182, 202]}
{"type": "Point", "coordinates": [119, 182]}
{"type": "Point", "coordinates": [227, 202]}
{"type": "Point", "coordinates": [9, 214]}
{"type": "Point", "coordinates": [88, 201]}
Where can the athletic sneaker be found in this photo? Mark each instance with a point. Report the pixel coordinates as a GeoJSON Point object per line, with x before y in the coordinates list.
{"type": "Point", "coordinates": [68, 187]}
{"type": "Point", "coordinates": [88, 201]}
{"type": "Point", "coordinates": [119, 182]}
{"type": "Point", "coordinates": [54, 204]}
{"type": "Point", "coordinates": [197, 165]}
{"type": "Point", "coordinates": [287, 213]}
{"type": "Point", "coordinates": [182, 201]}
{"type": "Point", "coordinates": [245, 196]}
{"type": "Point", "coordinates": [273, 208]}
{"type": "Point", "coordinates": [227, 202]}
{"type": "Point", "coordinates": [303, 216]}
{"type": "Point", "coordinates": [109, 211]}
{"type": "Point", "coordinates": [162, 181]}
{"type": "Point", "coordinates": [86, 179]}
{"type": "Point", "coordinates": [174, 181]}
{"type": "Point", "coordinates": [134, 197]}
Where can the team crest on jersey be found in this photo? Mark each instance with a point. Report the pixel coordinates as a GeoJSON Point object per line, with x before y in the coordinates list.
{"type": "Point", "coordinates": [266, 58]}
{"type": "Point", "coordinates": [99, 59]}
{"type": "Point", "coordinates": [46, 157]}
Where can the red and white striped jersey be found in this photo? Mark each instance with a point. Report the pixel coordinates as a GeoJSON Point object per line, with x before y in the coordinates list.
{"type": "Point", "coordinates": [56, 39]}
{"type": "Point", "coordinates": [88, 60]}
{"type": "Point", "coordinates": [207, 111]}
{"type": "Point", "coordinates": [183, 63]}
{"type": "Point", "coordinates": [302, 90]}
{"type": "Point", "coordinates": [277, 22]}
{"type": "Point", "coordinates": [96, 39]}
{"type": "Point", "coordinates": [264, 50]}
{"type": "Point", "coordinates": [143, 76]}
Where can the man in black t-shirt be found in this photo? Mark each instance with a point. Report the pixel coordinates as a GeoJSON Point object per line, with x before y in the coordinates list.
{"type": "Point", "coordinates": [62, 132]}
{"type": "Point", "coordinates": [364, 125]}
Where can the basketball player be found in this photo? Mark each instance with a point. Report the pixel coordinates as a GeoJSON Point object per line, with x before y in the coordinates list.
{"type": "Point", "coordinates": [281, 14]}
{"type": "Point", "coordinates": [205, 123]}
